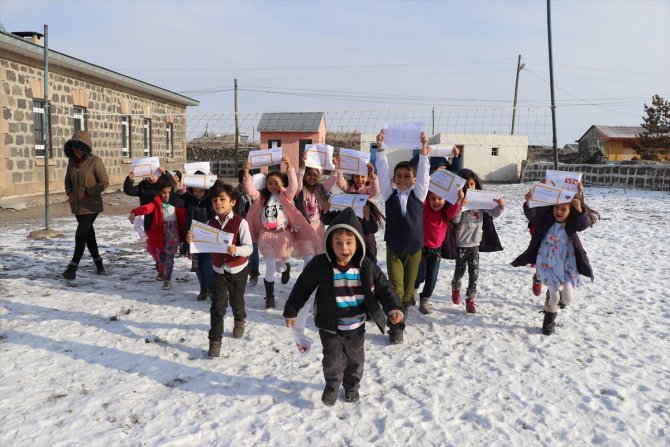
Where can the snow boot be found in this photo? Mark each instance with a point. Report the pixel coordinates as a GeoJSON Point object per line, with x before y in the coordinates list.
{"type": "Point", "coordinates": [167, 285]}
{"type": "Point", "coordinates": [238, 329]}
{"type": "Point", "coordinates": [537, 286]}
{"type": "Point", "coordinates": [204, 293]}
{"type": "Point", "coordinates": [329, 396]}
{"type": "Point", "coordinates": [99, 269]}
{"type": "Point", "coordinates": [456, 296]}
{"type": "Point", "coordinates": [71, 271]}
{"type": "Point", "coordinates": [160, 276]}
{"type": "Point", "coordinates": [253, 279]}
{"type": "Point", "coordinates": [425, 307]}
{"type": "Point", "coordinates": [549, 323]}
{"type": "Point", "coordinates": [286, 275]}
{"type": "Point", "coordinates": [351, 396]}
{"type": "Point", "coordinates": [269, 294]}
{"type": "Point", "coordinates": [470, 306]}
{"type": "Point", "coordinates": [214, 348]}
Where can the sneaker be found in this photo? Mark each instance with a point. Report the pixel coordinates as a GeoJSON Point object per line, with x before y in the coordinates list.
{"type": "Point", "coordinates": [70, 272]}
{"type": "Point", "coordinates": [238, 329]}
{"type": "Point", "coordinates": [351, 396]}
{"type": "Point", "coordinates": [286, 275]}
{"type": "Point", "coordinates": [456, 296]}
{"type": "Point", "coordinates": [204, 293]}
{"type": "Point", "coordinates": [396, 337]}
{"type": "Point", "coordinates": [253, 279]}
{"type": "Point", "coordinates": [160, 276]}
{"type": "Point", "coordinates": [329, 396]}
{"type": "Point", "coordinates": [167, 285]}
{"type": "Point", "coordinates": [470, 306]}
{"type": "Point", "coordinates": [537, 286]}
{"type": "Point", "coordinates": [214, 349]}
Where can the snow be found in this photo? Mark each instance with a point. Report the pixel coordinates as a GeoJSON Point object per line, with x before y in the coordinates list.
{"type": "Point", "coordinates": [115, 360]}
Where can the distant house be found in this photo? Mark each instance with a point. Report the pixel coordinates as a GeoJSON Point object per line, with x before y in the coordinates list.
{"type": "Point", "coordinates": [571, 147]}
{"type": "Point", "coordinates": [292, 132]}
{"type": "Point", "coordinates": [127, 118]}
{"type": "Point", "coordinates": [613, 142]}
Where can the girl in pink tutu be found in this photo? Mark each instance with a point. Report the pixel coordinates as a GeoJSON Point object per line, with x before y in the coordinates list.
{"type": "Point", "coordinates": [277, 225]}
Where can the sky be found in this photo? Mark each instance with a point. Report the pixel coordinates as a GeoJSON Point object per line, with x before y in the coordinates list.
{"type": "Point", "coordinates": [609, 57]}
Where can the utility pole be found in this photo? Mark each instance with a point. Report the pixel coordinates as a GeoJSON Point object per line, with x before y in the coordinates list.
{"type": "Point", "coordinates": [551, 85]}
{"type": "Point", "coordinates": [237, 135]}
{"type": "Point", "coordinates": [519, 67]}
{"type": "Point", "coordinates": [46, 135]}
{"type": "Point", "coordinates": [433, 114]}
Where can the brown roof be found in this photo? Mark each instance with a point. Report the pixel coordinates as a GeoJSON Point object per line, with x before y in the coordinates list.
{"type": "Point", "coordinates": [616, 132]}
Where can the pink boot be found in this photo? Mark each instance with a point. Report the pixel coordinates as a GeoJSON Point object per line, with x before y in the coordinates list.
{"type": "Point", "coordinates": [470, 306]}
{"type": "Point", "coordinates": [456, 296]}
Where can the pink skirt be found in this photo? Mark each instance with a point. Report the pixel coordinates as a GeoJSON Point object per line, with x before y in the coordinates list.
{"type": "Point", "coordinates": [320, 230]}
{"type": "Point", "coordinates": [277, 245]}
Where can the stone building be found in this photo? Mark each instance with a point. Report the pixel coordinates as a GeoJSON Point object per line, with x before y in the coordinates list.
{"type": "Point", "coordinates": [127, 118]}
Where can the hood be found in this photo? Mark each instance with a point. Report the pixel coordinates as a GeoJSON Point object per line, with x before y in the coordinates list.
{"type": "Point", "coordinates": [80, 140]}
{"type": "Point", "coordinates": [469, 173]}
{"type": "Point", "coordinates": [346, 219]}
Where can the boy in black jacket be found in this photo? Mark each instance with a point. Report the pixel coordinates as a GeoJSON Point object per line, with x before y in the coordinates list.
{"type": "Point", "coordinates": [349, 287]}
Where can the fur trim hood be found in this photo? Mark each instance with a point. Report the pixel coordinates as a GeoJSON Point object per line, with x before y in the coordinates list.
{"type": "Point", "coordinates": [80, 140]}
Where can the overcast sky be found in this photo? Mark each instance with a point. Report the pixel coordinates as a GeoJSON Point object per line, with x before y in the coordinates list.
{"type": "Point", "coordinates": [610, 56]}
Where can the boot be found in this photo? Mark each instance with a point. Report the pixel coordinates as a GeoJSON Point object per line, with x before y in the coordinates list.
{"type": "Point", "coordinates": [549, 323]}
{"type": "Point", "coordinates": [238, 329]}
{"type": "Point", "coordinates": [425, 307]}
{"type": "Point", "coordinates": [329, 396]}
{"type": "Point", "coordinates": [253, 279]}
{"type": "Point", "coordinates": [395, 336]}
{"type": "Point", "coordinates": [470, 306]}
{"type": "Point", "coordinates": [537, 286]}
{"type": "Point", "coordinates": [214, 348]}
{"type": "Point", "coordinates": [286, 275]}
{"type": "Point", "coordinates": [160, 276]}
{"type": "Point", "coordinates": [351, 396]}
{"type": "Point", "coordinates": [269, 294]}
{"type": "Point", "coordinates": [99, 269]}
{"type": "Point", "coordinates": [456, 296]}
{"type": "Point", "coordinates": [167, 285]}
{"type": "Point", "coordinates": [204, 293]}
{"type": "Point", "coordinates": [71, 271]}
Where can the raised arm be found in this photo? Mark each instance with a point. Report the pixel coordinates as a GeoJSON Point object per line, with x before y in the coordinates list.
{"type": "Point", "coordinates": [248, 185]}
{"type": "Point", "coordinates": [423, 170]}
{"type": "Point", "coordinates": [382, 165]}
{"type": "Point", "coordinates": [292, 180]}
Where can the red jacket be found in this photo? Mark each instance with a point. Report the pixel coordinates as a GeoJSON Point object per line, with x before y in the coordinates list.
{"type": "Point", "coordinates": [156, 234]}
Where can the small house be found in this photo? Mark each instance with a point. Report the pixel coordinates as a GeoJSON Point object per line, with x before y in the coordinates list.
{"type": "Point", "coordinates": [615, 143]}
{"type": "Point", "coordinates": [292, 131]}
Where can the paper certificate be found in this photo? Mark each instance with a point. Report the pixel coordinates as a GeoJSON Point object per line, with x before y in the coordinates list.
{"type": "Point", "coordinates": [481, 200]}
{"type": "Point", "coordinates": [208, 239]}
{"type": "Point", "coordinates": [446, 185]}
{"type": "Point", "coordinates": [202, 166]}
{"type": "Point", "coordinates": [402, 135]}
{"type": "Point", "coordinates": [543, 195]}
{"type": "Point", "coordinates": [563, 179]}
{"type": "Point", "coordinates": [139, 227]}
{"type": "Point", "coordinates": [265, 157]}
{"type": "Point", "coordinates": [354, 162]}
{"type": "Point", "coordinates": [338, 202]}
{"type": "Point", "coordinates": [319, 156]}
{"type": "Point", "coordinates": [145, 167]}
{"type": "Point", "coordinates": [302, 342]}
{"type": "Point", "coordinates": [198, 181]}
{"type": "Point", "coordinates": [441, 151]}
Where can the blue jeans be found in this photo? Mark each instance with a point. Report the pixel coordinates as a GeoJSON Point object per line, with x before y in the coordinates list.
{"type": "Point", "coordinates": [254, 261]}
{"type": "Point", "coordinates": [428, 270]}
{"type": "Point", "coordinates": [202, 264]}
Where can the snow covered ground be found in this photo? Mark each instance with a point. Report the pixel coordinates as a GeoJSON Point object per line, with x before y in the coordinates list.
{"type": "Point", "coordinates": [114, 360]}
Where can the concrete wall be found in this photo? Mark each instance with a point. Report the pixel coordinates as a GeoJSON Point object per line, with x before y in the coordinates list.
{"type": "Point", "coordinates": [22, 80]}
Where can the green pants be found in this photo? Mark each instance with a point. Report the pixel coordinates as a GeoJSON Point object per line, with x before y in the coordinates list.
{"type": "Point", "coordinates": [402, 270]}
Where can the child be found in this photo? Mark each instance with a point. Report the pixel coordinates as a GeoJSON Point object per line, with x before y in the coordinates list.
{"type": "Point", "coordinates": [470, 229]}
{"type": "Point", "coordinates": [242, 209]}
{"type": "Point", "coordinates": [198, 205]}
{"type": "Point", "coordinates": [277, 225]}
{"type": "Point", "coordinates": [437, 213]}
{"type": "Point", "coordinates": [372, 220]}
{"type": "Point", "coordinates": [165, 229]}
{"type": "Point", "coordinates": [349, 286]}
{"type": "Point", "coordinates": [311, 198]}
{"type": "Point", "coordinates": [556, 250]}
{"type": "Point", "coordinates": [358, 184]}
{"type": "Point", "coordinates": [231, 269]}
{"type": "Point", "coordinates": [404, 228]}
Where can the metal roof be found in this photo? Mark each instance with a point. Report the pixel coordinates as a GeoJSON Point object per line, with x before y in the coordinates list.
{"type": "Point", "coordinates": [615, 132]}
{"type": "Point", "coordinates": [290, 122]}
{"type": "Point", "coordinates": [19, 45]}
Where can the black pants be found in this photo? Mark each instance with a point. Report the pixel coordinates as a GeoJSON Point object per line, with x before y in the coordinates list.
{"type": "Point", "coordinates": [343, 358]}
{"type": "Point", "coordinates": [227, 287]}
{"type": "Point", "coordinates": [85, 237]}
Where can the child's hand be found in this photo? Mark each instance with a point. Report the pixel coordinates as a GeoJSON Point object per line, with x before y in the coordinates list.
{"type": "Point", "coordinates": [396, 316]}
{"type": "Point", "coordinates": [232, 250]}
{"type": "Point", "coordinates": [131, 218]}
{"type": "Point", "coordinates": [325, 208]}
{"type": "Point", "coordinates": [456, 151]}
{"type": "Point", "coordinates": [424, 144]}
{"type": "Point", "coordinates": [371, 170]}
{"type": "Point", "coordinates": [189, 237]}
{"type": "Point", "coordinates": [577, 205]}
{"type": "Point", "coordinates": [286, 161]}
{"type": "Point", "coordinates": [245, 167]}
{"type": "Point", "coordinates": [161, 170]}
{"type": "Point", "coordinates": [528, 195]}
{"type": "Point", "coordinates": [461, 196]}
{"type": "Point", "coordinates": [501, 203]}
{"type": "Point", "coordinates": [290, 322]}
{"type": "Point", "coordinates": [336, 162]}
{"type": "Point", "coordinates": [380, 141]}
{"type": "Point", "coordinates": [131, 175]}
{"type": "Point", "coordinates": [580, 191]}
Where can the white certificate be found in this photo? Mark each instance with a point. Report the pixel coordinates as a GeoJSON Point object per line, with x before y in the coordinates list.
{"type": "Point", "coordinates": [145, 167]}
{"type": "Point", "coordinates": [481, 200]}
{"type": "Point", "coordinates": [354, 162]}
{"type": "Point", "coordinates": [563, 179]}
{"type": "Point", "coordinates": [265, 157]}
{"type": "Point", "coordinates": [139, 227]}
{"type": "Point", "coordinates": [198, 181]}
{"type": "Point", "coordinates": [446, 185]}
{"type": "Point", "coordinates": [302, 342]}
{"type": "Point", "coordinates": [319, 156]}
{"type": "Point", "coordinates": [356, 201]}
{"type": "Point", "coordinates": [543, 195]}
{"type": "Point", "coordinates": [402, 135]}
{"type": "Point", "coordinates": [441, 151]}
{"type": "Point", "coordinates": [208, 239]}
{"type": "Point", "coordinates": [202, 166]}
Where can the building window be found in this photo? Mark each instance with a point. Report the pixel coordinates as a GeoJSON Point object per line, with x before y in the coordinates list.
{"type": "Point", "coordinates": [494, 151]}
{"type": "Point", "coordinates": [125, 136]}
{"type": "Point", "coordinates": [147, 137]}
{"type": "Point", "coordinates": [168, 139]}
{"type": "Point", "coordinates": [39, 125]}
{"type": "Point", "coordinates": [79, 117]}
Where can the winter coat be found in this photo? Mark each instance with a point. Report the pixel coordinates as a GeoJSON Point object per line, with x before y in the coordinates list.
{"type": "Point", "coordinates": [85, 183]}
{"type": "Point", "coordinates": [200, 210]}
{"type": "Point", "coordinates": [543, 219]}
{"type": "Point", "coordinates": [380, 297]}
{"type": "Point", "coordinates": [490, 241]}
{"type": "Point", "coordinates": [146, 192]}
{"type": "Point", "coordinates": [156, 234]}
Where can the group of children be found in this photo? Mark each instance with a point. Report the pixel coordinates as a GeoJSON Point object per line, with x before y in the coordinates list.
{"type": "Point", "coordinates": [288, 218]}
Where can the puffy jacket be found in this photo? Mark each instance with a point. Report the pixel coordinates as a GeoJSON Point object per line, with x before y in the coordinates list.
{"type": "Point", "coordinates": [85, 183]}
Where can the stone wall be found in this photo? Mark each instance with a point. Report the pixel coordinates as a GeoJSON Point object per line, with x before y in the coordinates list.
{"type": "Point", "coordinates": [21, 81]}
